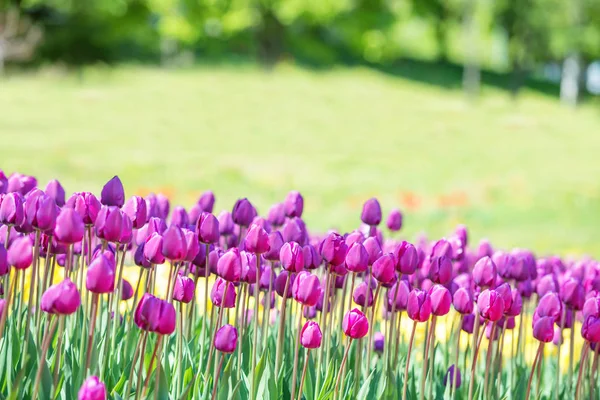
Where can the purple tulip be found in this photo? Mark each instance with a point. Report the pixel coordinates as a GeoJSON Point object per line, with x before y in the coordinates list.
{"type": "Point", "coordinates": [384, 268]}
{"type": "Point", "coordinates": [401, 296]}
{"type": "Point", "coordinates": [441, 299]}
{"type": "Point", "coordinates": [363, 295]}
{"type": "Point", "coordinates": [113, 193]}
{"type": "Point", "coordinates": [243, 212]}
{"type": "Point", "coordinates": [484, 272]}
{"type": "Point", "coordinates": [56, 192]}
{"type": "Point", "coordinates": [100, 276]}
{"type": "Point", "coordinates": [572, 294]}
{"type": "Point", "coordinates": [407, 258]}
{"type": "Point", "coordinates": [276, 214]}
{"type": "Point", "coordinates": [257, 240]}
{"type": "Point", "coordinates": [184, 289]}
{"type": "Point", "coordinates": [378, 342]}
{"type": "Point", "coordinates": [135, 209]}
{"type": "Point", "coordinates": [216, 294]}
{"type": "Point", "coordinates": [225, 223]}
{"type": "Point", "coordinates": [484, 249]}
{"type": "Point", "coordinates": [127, 292]}
{"type": "Point", "coordinates": [312, 259]}
{"type": "Point", "coordinates": [371, 212]}
{"type": "Point", "coordinates": [3, 182]}
{"type": "Point", "coordinates": [463, 301]}
{"type": "Point", "coordinates": [590, 307]}
{"type": "Point", "coordinates": [92, 389]}
{"type": "Point", "coordinates": [4, 263]}
{"type": "Point", "coordinates": [394, 220]}
{"type": "Point", "coordinates": [20, 253]}
{"type": "Point", "coordinates": [334, 249]}
{"type": "Point", "coordinates": [549, 306]}
{"type": "Point", "coordinates": [468, 323]}
{"type": "Point", "coordinates": [310, 335]}
{"type": "Point", "coordinates": [87, 205]}
{"type": "Point", "coordinates": [355, 324]}
{"type": "Point", "coordinates": [546, 284]}
{"type": "Point", "coordinates": [40, 212]}
{"type": "Point", "coordinates": [357, 258]}
{"type": "Point", "coordinates": [162, 206]}
{"type": "Point", "coordinates": [279, 284]}
{"type": "Point", "coordinates": [590, 330]}
{"type": "Point", "coordinates": [418, 306]}
{"type": "Point", "coordinates": [62, 298]}
{"type": "Point", "coordinates": [155, 315]}
{"type": "Point", "coordinates": [491, 305]}
{"type": "Point", "coordinates": [207, 228]}
{"type": "Point", "coordinates": [293, 231]}
{"type": "Point", "coordinates": [373, 248]}
{"type": "Point", "coordinates": [179, 217]}
{"type": "Point", "coordinates": [543, 329]}
{"type": "Point", "coordinates": [293, 204]}
{"type": "Point", "coordinates": [504, 263]}
{"type": "Point", "coordinates": [440, 270]}
{"type": "Point", "coordinates": [11, 209]}
{"type": "Point", "coordinates": [207, 201]}
{"type": "Point", "coordinates": [174, 246]}
{"type": "Point", "coordinates": [69, 227]}
{"type": "Point", "coordinates": [292, 257]}
{"type": "Point", "coordinates": [229, 266]}
{"type": "Point", "coordinates": [449, 377]}
{"type": "Point", "coordinates": [109, 224]}
{"type": "Point", "coordinates": [306, 289]}
{"type": "Point", "coordinates": [226, 339]}
{"type": "Point", "coordinates": [153, 249]}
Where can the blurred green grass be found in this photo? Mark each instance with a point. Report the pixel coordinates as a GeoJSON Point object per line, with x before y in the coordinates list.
{"type": "Point", "coordinates": [523, 174]}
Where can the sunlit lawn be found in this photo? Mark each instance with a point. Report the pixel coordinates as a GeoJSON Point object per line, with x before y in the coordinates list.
{"type": "Point", "coordinates": [523, 174]}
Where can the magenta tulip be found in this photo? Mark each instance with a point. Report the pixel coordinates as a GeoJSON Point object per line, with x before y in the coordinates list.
{"type": "Point", "coordinates": [355, 324]}
{"type": "Point", "coordinates": [62, 298]}
{"type": "Point", "coordinates": [311, 336]}
{"type": "Point", "coordinates": [306, 289]}
{"type": "Point", "coordinates": [92, 389]}
{"type": "Point", "coordinates": [226, 339]}
{"type": "Point", "coordinates": [418, 306]}
{"type": "Point", "coordinates": [184, 289]}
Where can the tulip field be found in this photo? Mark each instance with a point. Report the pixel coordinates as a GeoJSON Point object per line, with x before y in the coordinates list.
{"type": "Point", "coordinates": [112, 297]}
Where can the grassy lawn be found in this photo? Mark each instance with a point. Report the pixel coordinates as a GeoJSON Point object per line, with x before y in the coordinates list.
{"type": "Point", "coordinates": [523, 174]}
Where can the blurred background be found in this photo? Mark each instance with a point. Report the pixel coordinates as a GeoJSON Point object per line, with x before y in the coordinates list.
{"type": "Point", "coordinates": [456, 111]}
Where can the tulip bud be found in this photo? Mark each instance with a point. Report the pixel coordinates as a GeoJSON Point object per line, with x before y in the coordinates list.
{"type": "Point", "coordinates": [440, 270]}
{"type": "Point", "coordinates": [400, 293]}
{"type": "Point", "coordinates": [216, 294]}
{"type": "Point", "coordinates": [334, 249]}
{"type": "Point", "coordinates": [207, 201]}
{"type": "Point", "coordinates": [153, 249]}
{"type": "Point", "coordinates": [4, 263]}
{"type": "Point", "coordinates": [363, 295]}
{"type": "Point", "coordinates": [373, 248]}
{"type": "Point", "coordinates": [547, 284]}
{"type": "Point", "coordinates": [92, 389]}
{"type": "Point", "coordinates": [62, 298]}
{"type": "Point", "coordinates": [549, 306]}
{"type": "Point", "coordinates": [127, 292]}
{"type": "Point", "coordinates": [383, 268]}
{"type": "Point", "coordinates": [543, 329]}
{"type": "Point", "coordinates": [378, 342]}
{"type": "Point", "coordinates": [449, 377]}
{"type": "Point", "coordinates": [280, 284]}
{"type": "Point", "coordinates": [572, 294]}
{"type": "Point", "coordinates": [590, 330]}
{"type": "Point", "coordinates": [293, 231]}
{"type": "Point", "coordinates": [306, 289]}
{"type": "Point", "coordinates": [463, 301]}
{"type": "Point", "coordinates": [276, 215]}
{"type": "Point", "coordinates": [355, 324]}
{"type": "Point", "coordinates": [257, 240]}
{"type": "Point", "coordinates": [109, 224]}
{"type": "Point", "coordinates": [69, 227]}
{"type": "Point", "coordinates": [226, 339]}
{"type": "Point", "coordinates": [248, 267]}
{"type": "Point", "coordinates": [243, 212]}
{"type": "Point", "coordinates": [590, 307]}
{"type": "Point", "coordinates": [229, 266]}
{"type": "Point", "coordinates": [394, 221]}
{"type": "Point", "coordinates": [40, 212]}
{"type": "Point", "coordinates": [113, 193]}
{"type": "Point", "coordinates": [506, 293]}
{"type": "Point", "coordinates": [504, 263]}
{"type": "Point", "coordinates": [184, 289]}
{"type": "Point", "coordinates": [312, 259]}
{"type": "Point", "coordinates": [174, 246]}
{"type": "Point", "coordinates": [491, 305]}
{"type": "Point", "coordinates": [226, 225]}
{"type": "Point", "coordinates": [468, 321]}
{"type": "Point", "coordinates": [100, 276]}
{"type": "Point", "coordinates": [20, 253]}
{"type": "Point", "coordinates": [440, 300]}
{"type": "Point", "coordinates": [292, 257]}
{"type": "Point", "coordinates": [293, 204]}
{"type": "Point", "coordinates": [484, 249]}
{"type": "Point", "coordinates": [207, 228]}
{"type": "Point", "coordinates": [484, 272]}
{"type": "Point", "coordinates": [407, 258]}
{"type": "Point", "coordinates": [56, 192]}
{"type": "Point", "coordinates": [135, 209]}
{"type": "Point", "coordinates": [180, 217]}
{"type": "Point", "coordinates": [11, 209]}
{"type": "Point", "coordinates": [310, 335]}
{"type": "Point", "coordinates": [371, 212]}
{"type": "Point", "coordinates": [87, 205]}
{"type": "Point", "coordinates": [162, 206]}
{"type": "Point", "coordinates": [357, 258]}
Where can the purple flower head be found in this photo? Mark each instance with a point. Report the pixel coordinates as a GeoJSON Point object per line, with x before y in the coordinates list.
{"type": "Point", "coordinates": [180, 217]}
{"type": "Point", "coordinates": [280, 281]}
{"type": "Point", "coordinates": [547, 284]}
{"type": "Point", "coordinates": [257, 240]}
{"type": "Point", "coordinates": [92, 389]}
{"type": "Point", "coordinates": [549, 306]}
{"type": "Point", "coordinates": [109, 224]}
{"type": "Point", "coordinates": [293, 204]}
{"type": "Point", "coordinates": [371, 212]}
{"type": "Point", "coordinates": [174, 246]}
{"type": "Point", "coordinates": [504, 263]}
{"type": "Point", "coordinates": [294, 231]}
{"type": "Point", "coordinates": [384, 268]}
{"type": "Point", "coordinates": [394, 220]}
{"type": "Point", "coordinates": [249, 267]}
{"type": "Point", "coordinates": [207, 201]}
{"type": "Point", "coordinates": [334, 249]}
{"type": "Point", "coordinates": [135, 209]}
{"type": "Point", "coordinates": [572, 293]}
{"type": "Point", "coordinates": [184, 289]}
{"type": "Point", "coordinates": [463, 300]}
{"type": "Point", "coordinates": [440, 270]}
{"type": "Point", "coordinates": [312, 259]}
{"type": "Point", "coordinates": [87, 205]}
{"type": "Point", "coordinates": [207, 228]}
{"type": "Point", "coordinates": [226, 224]}
{"type": "Point", "coordinates": [20, 183]}
{"type": "Point", "coordinates": [229, 266]}
{"type": "Point", "coordinates": [292, 257]}
{"type": "Point", "coordinates": [275, 244]}
{"type": "Point", "coordinates": [20, 253]}
{"type": "Point", "coordinates": [357, 258]}
{"type": "Point", "coordinates": [243, 212]}
{"type": "Point", "coordinates": [69, 226]}
{"type": "Point", "coordinates": [56, 192]}
{"type": "Point", "coordinates": [484, 272]}
{"type": "Point", "coordinates": [192, 246]}
{"type": "Point", "coordinates": [153, 249]}
{"type": "Point", "coordinates": [355, 324]}
{"type": "Point", "coordinates": [543, 329]}
{"type": "Point", "coordinates": [127, 292]}
{"type": "Point", "coordinates": [363, 295]}
{"type": "Point", "coordinates": [418, 306]}
{"type": "Point", "coordinates": [378, 342]}
{"type": "Point", "coordinates": [113, 193]}
{"type": "Point", "coordinates": [226, 339]}
{"type": "Point", "coordinates": [590, 330]}
{"type": "Point", "coordinates": [491, 305]}
{"type": "Point", "coordinates": [441, 300]}
{"type": "Point", "coordinates": [100, 276]}
{"type": "Point", "coordinates": [11, 209]}
{"type": "Point", "coordinates": [62, 298]}
{"type": "Point", "coordinates": [276, 214]}
{"type": "Point", "coordinates": [306, 289]}
{"type": "Point", "coordinates": [449, 377]}
{"type": "Point", "coordinates": [162, 206]}
{"type": "Point", "coordinates": [407, 258]}
{"type": "Point", "coordinates": [40, 211]}
{"type": "Point", "coordinates": [399, 292]}
{"type": "Point", "coordinates": [310, 335]}
{"type": "Point", "coordinates": [216, 294]}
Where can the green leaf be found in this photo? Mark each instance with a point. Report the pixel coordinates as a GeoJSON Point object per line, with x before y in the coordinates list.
{"type": "Point", "coordinates": [363, 393]}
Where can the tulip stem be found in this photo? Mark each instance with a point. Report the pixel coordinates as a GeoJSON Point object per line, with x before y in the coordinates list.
{"type": "Point", "coordinates": [296, 350]}
{"type": "Point", "coordinates": [410, 345]}
{"type": "Point", "coordinates": [91, 335]}
{"type": "Point", "coordinates": [342, 303]}
{"type": "Point", "coordinates": [475, 352]}
{"type": "Point", "coordinates": [131, 371]}
{"type": "Point", "coordinates": [431, 365]}
{"type": "Point", "coordinates": [593, 373]}
{"type": "Point", "coordinates": [372, 322]}
{"type": "Point", "coordinates": [58, 350]}
{"type": "Point", "coordinates": [152, 358]}
{"type": "Point", "coordinates": [426, 358]}
{"type": "Point", "coordinates": [49, 332]}
{"type": "Point", "coordinates": [141, 366]}
{"type": "Point", "coordinates": [32, 285]}
{"type": "Point", "coordinates": [535, 361]}
{"type": "Point", "coordinates": [117, 299]}
{"type": "Point", "coordinates": [323, 319]}
{"type": "Point", "coordinates": [500, 356]}
{"type": "Point", "coordinates": [281, 331]}
{"type": "Point", "coordinates": [582, 365]}
{"type": "Point", "coordinates": [455, 374]}
{"type": "Point", "coordinates": [6, 306]}
{"type": "Point", "coordinates": [558, 374]}
{"type": "Point", "coordinates": [571, 357]}
{"type": "Point", "coordinates": [255, 319]}
{"type": "Point", "coordinates": [488, 359]}
{"type": "Point", "coordinates": [179, 356]}
{"type": "Point", "coordinates": [243, 291]}
{"type": "Point", "coordinates": [306, 357]}
{"type": "Point", "coordinates": [214, 390]}
{"type": "Point", "coordinates": [217, 325]}
{"type": "Point", "coordinates": [339, 378]}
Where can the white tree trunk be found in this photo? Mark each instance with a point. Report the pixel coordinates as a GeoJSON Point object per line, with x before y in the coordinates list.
{"type": "Point", "coordinates": [570, 80]}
